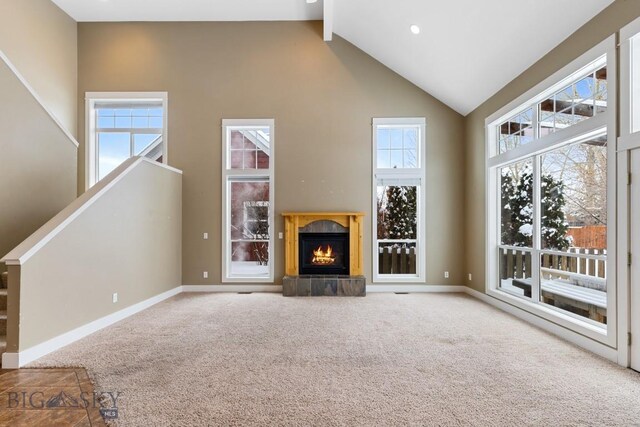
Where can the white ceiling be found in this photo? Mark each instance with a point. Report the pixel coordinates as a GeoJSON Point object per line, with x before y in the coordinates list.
{"type": "Point", "coordinates": [190, 10]}
{"type": "Point", "coordinates": [466, 51]}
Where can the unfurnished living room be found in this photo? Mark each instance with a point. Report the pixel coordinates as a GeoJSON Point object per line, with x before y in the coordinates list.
{"type": "Point", "coordinates": [319, 212]}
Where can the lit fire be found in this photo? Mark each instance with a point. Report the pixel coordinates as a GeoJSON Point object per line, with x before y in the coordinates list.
{"type": "Point", "coordinates": [321, 257]}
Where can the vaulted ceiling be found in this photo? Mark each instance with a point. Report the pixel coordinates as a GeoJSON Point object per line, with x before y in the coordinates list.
{"type": "Point", "coordinates": [465, 52]}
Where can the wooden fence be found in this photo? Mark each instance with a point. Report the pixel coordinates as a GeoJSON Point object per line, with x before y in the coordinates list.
{"type": "Point", "coordinates": [589, 236]}
{"type": "Point", "coordinates": [516, 263]}
{"type": "Point", "coordinates": [397, 260]}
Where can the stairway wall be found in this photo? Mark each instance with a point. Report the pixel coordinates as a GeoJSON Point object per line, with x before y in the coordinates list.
{"type": "Point", "coordinates": [38, 163]}
{"type": "Point", "coordinates": [42, 42]}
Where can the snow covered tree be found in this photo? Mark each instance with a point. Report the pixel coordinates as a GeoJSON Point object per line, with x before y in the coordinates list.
{"type": "Point", "coordinates": [522, 209]}
{"type": "Point", "coordinates": [554, 225]}
{"type": "Point", "coordinates": [517, 211]}
{"type": "Point", "coordinates": [507, 232]}
{"type": "Point", "coordinates": [400, 218]}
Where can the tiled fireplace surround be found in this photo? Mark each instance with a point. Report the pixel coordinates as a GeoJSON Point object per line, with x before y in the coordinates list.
{"type": "Point", "coordinates": [295, 284]}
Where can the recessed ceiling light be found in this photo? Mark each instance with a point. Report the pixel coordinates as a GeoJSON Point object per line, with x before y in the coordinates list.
{"type": "Point", "coordinates": [415, 29]}
{"type": "Point", "coordinates": [311, 1]}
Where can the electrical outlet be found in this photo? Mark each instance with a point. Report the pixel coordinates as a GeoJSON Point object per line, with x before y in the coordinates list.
{"type": "Point", "coordinates": [205, 274]}
{"type": "Point", "coordinates": [115, 298]}
{"type": "Point", "coordinates": [446, 274]}
{"type": "Point", "coordinates": [205, 236]}
{"type": "Point", "coordinates": [469, 276]}
{"type": "Point", "coordinates": [280, 235]}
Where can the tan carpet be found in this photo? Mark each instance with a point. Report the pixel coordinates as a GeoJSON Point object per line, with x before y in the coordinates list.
{"type": "Point", "coordinates": [430, 359]}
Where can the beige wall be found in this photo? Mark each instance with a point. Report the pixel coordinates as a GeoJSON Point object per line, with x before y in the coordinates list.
{"type": "Point", "coordinates": [37, 163]}
{"type": "Point", "coordinates": [322, 97]}
{"type": "Point", "coordinates": [128, 241]}
{"type": "Point", "coordinates": [603, 25]}
{"type": "Point", "coordinates": [41, 41]}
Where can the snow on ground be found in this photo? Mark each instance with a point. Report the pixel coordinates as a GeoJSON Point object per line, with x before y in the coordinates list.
{"type": "Point", "coordinates": [249, 268]}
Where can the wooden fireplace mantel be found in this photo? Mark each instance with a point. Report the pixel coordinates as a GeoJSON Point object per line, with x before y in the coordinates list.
{"type": "Point", "coordinates": [293, 221]}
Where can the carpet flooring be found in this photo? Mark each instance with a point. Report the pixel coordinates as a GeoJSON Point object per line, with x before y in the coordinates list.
{"type": "Point", "coordinates": [386, 359]}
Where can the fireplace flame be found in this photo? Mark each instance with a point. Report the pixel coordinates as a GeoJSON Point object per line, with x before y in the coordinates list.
{"type": "Point", "coordinates": [321, 257]}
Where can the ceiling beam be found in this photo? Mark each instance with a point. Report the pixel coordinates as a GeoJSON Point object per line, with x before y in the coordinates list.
{"type": "Point", "coordinates": [328, 20]}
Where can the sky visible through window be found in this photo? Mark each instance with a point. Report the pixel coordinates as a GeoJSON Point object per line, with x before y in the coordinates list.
{"type": "Point", "coordinates": [125, 132]}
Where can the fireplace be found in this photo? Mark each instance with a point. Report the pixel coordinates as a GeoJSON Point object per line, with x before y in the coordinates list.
{"type": "Point", "coordinates": [324, 253]}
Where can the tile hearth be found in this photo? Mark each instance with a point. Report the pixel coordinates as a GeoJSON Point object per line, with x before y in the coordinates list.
{"type": "Point", "coordinates": [324, 285]}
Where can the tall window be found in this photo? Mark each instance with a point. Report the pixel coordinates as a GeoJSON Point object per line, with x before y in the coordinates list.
{"type": "Point", "coordinates": [398, 195]}
{"type": "Point", "coordinates": [550, 221]}
{"type": "Point", "coordinates": [123, 125]}
{"type": "Point", "coordinates": [247, 197]}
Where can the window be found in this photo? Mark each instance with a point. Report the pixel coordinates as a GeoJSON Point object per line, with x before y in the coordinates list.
{"type": "Point", "coordinates": [247, 197]}
{"type": "Point", "coordinates": [398, 196]}
{"type": "Point", "coordinates": [550, 222]}
{"type": "Point", "coordinates": [123, 125]}
{"type": "Point", "coordinates": [630, 85]}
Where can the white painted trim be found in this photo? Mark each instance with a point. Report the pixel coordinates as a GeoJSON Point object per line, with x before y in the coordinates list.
{"type": "Point", "coordinates": [634, 270]}
{"type": "Point", "coordinates": [565, 319]}
{"type": "Point", "coordinates": [90, 125]}
{"type": "Point", "coordinates": [419, 174]}
{"type": "Point", "coordinates": [328, 16]}
{"type": "Point", "coordinates": [256, 174]}
{"type": "Point", "coordinates": [554, 82]}
{"type": "Point", "coordinates": [232, 288]}
{"type": "Point", "coordinates": [415, 288]}
{"type": "Point", "coordinates": [10, 360]}
{"type": "Point", "coordinates": [51, 229]}
{"type": "Point", "coordinates": [162, 165]}
{"type": "Point", "coordinates": [630, 30]}
{"type": "Point", "coordinates": [603, 53]}
{"type": "Point", "coordinates": [24, 82]}
{"type": "Point", "coordinates": [564, 333]}
{"type": "Point", "coordinates": [582, 131]}
{"type": "Point", "coordinates": [629, 142]}
{"type": "Point", "coordinates": [624, 247]}
{"type": "Point", "coordinates": [18, 360]}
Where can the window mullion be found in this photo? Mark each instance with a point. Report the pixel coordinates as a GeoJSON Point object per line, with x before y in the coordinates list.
{"type": "Point", "coordinates": [537, 234]}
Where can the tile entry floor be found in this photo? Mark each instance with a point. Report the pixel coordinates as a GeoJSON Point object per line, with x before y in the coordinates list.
{"type": "Point", "coordinates": [49, 397]}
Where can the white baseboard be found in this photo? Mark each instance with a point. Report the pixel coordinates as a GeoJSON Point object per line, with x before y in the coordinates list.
{"type": "Point", "coordinates": [562, 332]}
{"type": "Point", "coordinates": [17, 360]}
{"type": "Point", "coordinates": [414, 288]}
{"type": "Point", "coordinates": [231, 288]}
{"type": "Point", "coordinates": [10, 360]}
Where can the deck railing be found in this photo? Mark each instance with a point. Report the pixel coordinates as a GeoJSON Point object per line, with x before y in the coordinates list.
{"type": "Point", "coordinates": [515, 262]}
{"type": "Point", "coordinates": [397, 259]}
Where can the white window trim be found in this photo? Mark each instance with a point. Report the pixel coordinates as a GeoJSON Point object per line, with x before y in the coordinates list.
{"type": "Point", "coordinates": [605, 335]}
{"type": "Point", "coordinates": [627, 141]}
{"type": "Point", "coordinates": [91, 98]}
{"type": "Point", "coordinates": [417, 173]}
{"type": "Point", "coordinates": [249, 174]}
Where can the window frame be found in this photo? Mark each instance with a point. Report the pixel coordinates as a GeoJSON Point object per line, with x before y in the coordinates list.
{"type": "Point", "coordinates": [410, 174]}
{"type": "Point", "coordinates": [249, 175]}
{"type": "Point", "coordinates": [572, 134]}
{"type": "Point", "coordinates": [91, 146]}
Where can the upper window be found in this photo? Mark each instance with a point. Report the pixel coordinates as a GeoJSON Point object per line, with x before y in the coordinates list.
{"type": "Point", "coordinates": [560, 107]}
{"type": "Point", "coordinates": [122, 126]}
{"type": "Point", "coordinates": [397, 146]}
{"type": "Point", "coordinates": [398, 253]}
{"type": "Point", "coordinates": [630, 85]}
{"type": "Point", "coordinates": [549, 219]}
{"type": "Point", "coordinates": [247, 200]}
